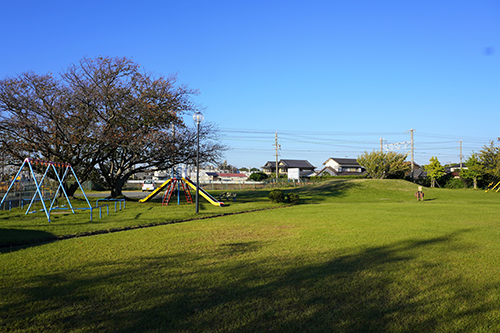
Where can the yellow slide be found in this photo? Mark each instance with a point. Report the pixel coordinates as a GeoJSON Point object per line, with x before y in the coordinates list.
{"type": "Point", "coordinates": [204, 193]}
{"type": "Point", "coordinates": [156, 191]}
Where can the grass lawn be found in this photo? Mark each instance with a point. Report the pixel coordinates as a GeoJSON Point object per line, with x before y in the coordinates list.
{"type": "Point", "coordinates": [18, 227]}
{"type": "Point", "coordinates": [355, 256]}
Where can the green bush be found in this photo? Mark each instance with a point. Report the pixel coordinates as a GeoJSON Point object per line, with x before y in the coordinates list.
{"type": "Point", "coordinates": [276, 196]}
{"type": "Point", "coordinates": [293, 198]}
{"type": "Point", "coordinates": [455, 183]}
{"type": "Point", "coordinates": [258, 176]}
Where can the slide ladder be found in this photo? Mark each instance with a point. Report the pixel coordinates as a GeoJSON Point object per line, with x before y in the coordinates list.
{"type": "Point", "coordinates": [171, 188]}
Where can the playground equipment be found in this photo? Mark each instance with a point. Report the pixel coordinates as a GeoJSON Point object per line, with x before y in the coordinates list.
{"type": "Point", "coordinates": [170, 186]}
{"type": "Point", "coordinates": [497, 186]}
{"type": "Point", "coordinates": [39, 187]}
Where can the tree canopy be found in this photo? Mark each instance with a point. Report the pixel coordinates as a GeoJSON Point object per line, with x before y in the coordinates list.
{"type": "Point", "coordinates": [102, 115]}
{"type": "Point", "coordinates": [381, 164]}
{"type": "Point", "coordinates": [434, 170]}
{"type": "Point", "coordinates": [258, 176]}
{"type": "Point", "coordinates": [489, 157]}
{"type": "Point", "coordinates": [474, 170]}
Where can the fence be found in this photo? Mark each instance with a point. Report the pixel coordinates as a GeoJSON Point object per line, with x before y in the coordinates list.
{"type": "Point", "coordinates": [23, 191]}
{"type": "Point", "coordinates": [232, 185]}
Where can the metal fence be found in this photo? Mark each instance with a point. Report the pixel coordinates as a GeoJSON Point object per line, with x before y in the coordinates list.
{"type": "Point", "coordinates": [22, 192]}
{"type": "Point", "coordinates": [232, 185]}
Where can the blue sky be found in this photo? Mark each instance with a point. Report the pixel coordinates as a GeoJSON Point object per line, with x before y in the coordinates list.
{"type": "Point", "coordinates": [330, 77]}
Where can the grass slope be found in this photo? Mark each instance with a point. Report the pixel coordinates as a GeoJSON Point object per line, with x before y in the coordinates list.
{"type": "Point", "coordinates": [360, 256]}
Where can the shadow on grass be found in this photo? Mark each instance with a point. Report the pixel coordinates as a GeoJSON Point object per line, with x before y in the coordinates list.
{"type": "Point", "coordinates": [358, 292]}
{"type": "Point", "coordinates": [310, 194]}
{"type": "Point", "coordinates": [324, 191]}
{"type": "Point", "coordinates": [29, 238]}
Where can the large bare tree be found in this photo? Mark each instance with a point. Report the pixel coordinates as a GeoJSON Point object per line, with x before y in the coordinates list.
{"type": "Point", "coordinates": [103, 116]}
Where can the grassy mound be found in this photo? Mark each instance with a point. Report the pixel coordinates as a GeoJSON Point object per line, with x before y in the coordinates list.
{"type": "Point", "coordinates": [361, 256]}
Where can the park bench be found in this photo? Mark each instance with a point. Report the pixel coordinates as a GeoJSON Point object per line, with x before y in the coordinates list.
{"type": "Point", "coordinates": [227, 196]}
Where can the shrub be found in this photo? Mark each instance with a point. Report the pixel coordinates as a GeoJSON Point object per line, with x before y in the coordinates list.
{"type": "Point", "coordinates": [293, 198]}
{"type": "Point", "coordinates": [276, 196]}
{"type": "Point", "coordinates": [258, 176]}
{"type": "Point", "coordinates": [455, 183]}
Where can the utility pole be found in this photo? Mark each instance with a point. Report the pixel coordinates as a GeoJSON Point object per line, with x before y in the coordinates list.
{"type": "Point", "coordinates": [461, 154]}
{"type": "Point", "coordinates": [277, 154]}
{"type": "Point", "coordinates": [381, 144]}
{"type": "Point", "coordinates": [412, 154]}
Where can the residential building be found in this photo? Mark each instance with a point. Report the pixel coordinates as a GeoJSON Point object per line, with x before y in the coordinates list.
{"type": "Point", "coordinates": [305, 168]}
{"type": "Point", "coordinates": [341, 167]}
{"type": "Point", "coordinates": [231, 177]}
{"type": "Point", "coordinates": [454, 169]}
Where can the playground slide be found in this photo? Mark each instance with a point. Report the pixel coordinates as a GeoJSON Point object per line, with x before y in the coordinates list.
{"type": "Point", "coordinates": [204, 193]}
{"type": "Point", "coordinates": [156, 191]}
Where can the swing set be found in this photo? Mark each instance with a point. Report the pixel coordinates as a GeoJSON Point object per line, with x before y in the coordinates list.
{"type": "Point", "coordinates": [38, 195]}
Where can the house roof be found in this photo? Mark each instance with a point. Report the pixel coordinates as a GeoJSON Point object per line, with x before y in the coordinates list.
{"type": "Point", "coordinates": [333, 172]}
{"type": "Point", "coordinates": [344, 161]}
{"type": "Point", "coordinates": [301, 164]}
{"type": "Point", "coordinates": [269, 164]}
{"type": "Point", "coordinates": [232, 175]}
{"type": "Point", "coordinates": [328, 168]}
{"type": "Point", "coordinates": [212, 174]}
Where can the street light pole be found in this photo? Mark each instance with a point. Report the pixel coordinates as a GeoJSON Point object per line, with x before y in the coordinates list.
{"type": "Point", "coordinates": [198, 118]}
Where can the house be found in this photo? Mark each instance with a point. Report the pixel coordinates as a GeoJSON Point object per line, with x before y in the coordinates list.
{"type": "Point", "coordinates": [232, 177]}
{"type": "Point", "coordinates": [305, 168]}
{"type": "Point", "coordinates": [269, 167]}
{"type": "Point", "coordinates": [341, 167]}
{"type": "Point", "coordinates": [211, 176]}
{"type": "Point", "coordinates": [418, 172]}
{"type": "Point", "coordinates": [454, 169]}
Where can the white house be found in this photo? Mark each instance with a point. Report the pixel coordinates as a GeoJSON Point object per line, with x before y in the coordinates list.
{"type": "Point", "coordinates": [341, 167]}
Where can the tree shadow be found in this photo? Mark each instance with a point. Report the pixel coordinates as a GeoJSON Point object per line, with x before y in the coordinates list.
{"type": "Point", "coordinates": [324, 191]}
{"type": "Point", "coordinates": [309, 194]}
{"type": "Point", "coordinates": [356, 292]}
{"type": "Point", "coordinates": [17, 239]}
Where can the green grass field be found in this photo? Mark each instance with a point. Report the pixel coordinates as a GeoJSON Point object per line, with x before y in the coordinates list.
{"type": "Point", "coordinates": [354, 256]}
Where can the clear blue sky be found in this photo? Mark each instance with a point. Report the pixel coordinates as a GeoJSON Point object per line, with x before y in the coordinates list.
{"type": "Point", "coordinates": [330, 77]}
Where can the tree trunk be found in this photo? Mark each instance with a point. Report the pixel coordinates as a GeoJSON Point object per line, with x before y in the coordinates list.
{"type": "Point", "coordinates": [475, 182]}
{"type": "Point", "coordinates": [117, 190]}
{"type": "Point", "coordinates": [70, 191]}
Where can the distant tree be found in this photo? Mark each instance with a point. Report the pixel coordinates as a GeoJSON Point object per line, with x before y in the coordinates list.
{"type": "Point", "coordinates": [224, 166]}
{"type": "Point", "coordinates": [258, 176]}
{"type": "Point", "coordinates": [489, 156]}
{"type": "Point", "coordinates": [243, 169]}
{"type": "Point", "coordinates": [475, 169]}
{"type": "Point", "coordinates": [398, 167]}
{"type": "Point", "coordinates": [374, 163]}
{"type": "Point", "coordinates": [434, 170]}
{"type": "Point", "coordinates": [254, 170]}
{"type": "Point", "coordinates": [381, 165]}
